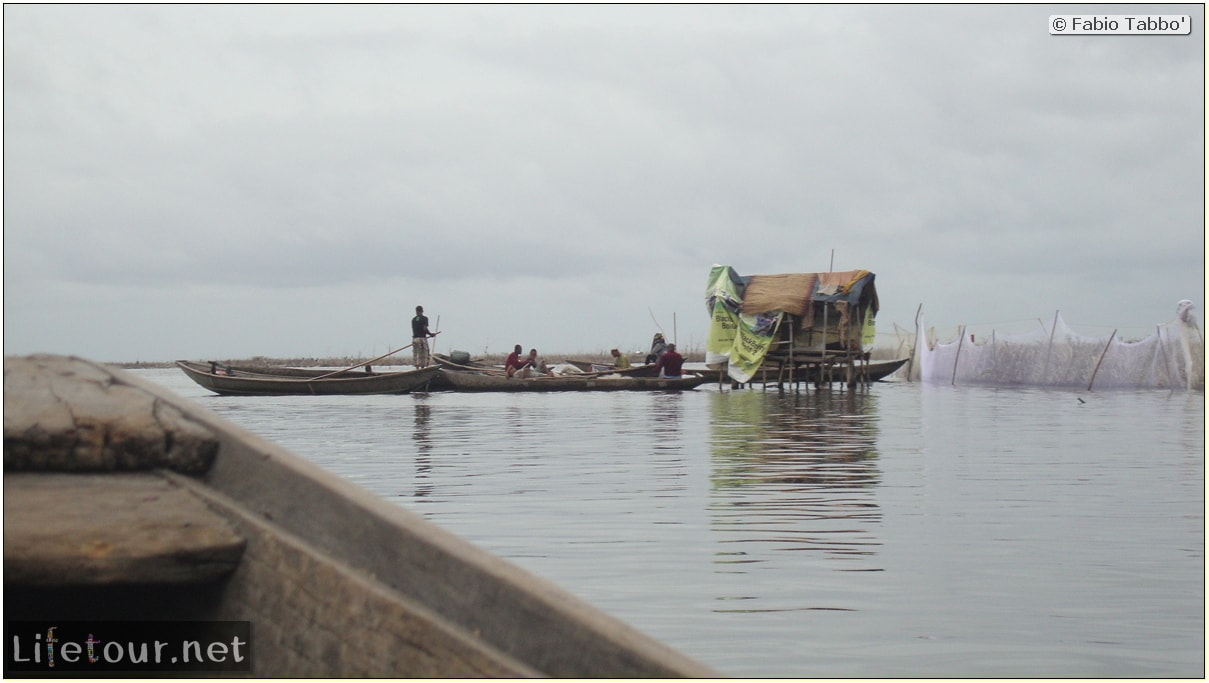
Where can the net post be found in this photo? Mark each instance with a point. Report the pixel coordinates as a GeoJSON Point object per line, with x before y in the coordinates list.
{"type": "Point", "coordinates": [1102, 354]}
{"type": "Point", "coordinates": [960, 340]}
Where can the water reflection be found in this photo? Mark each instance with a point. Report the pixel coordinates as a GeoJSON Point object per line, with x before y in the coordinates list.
{"type": "Point", "coordinates": [670, 469]}
{"type": "Point", "coordinates": [667, 413]}
{"type": "Point", "coordinates": [422, 435]}
{"type": "Point", "coordinates": [794, 472]}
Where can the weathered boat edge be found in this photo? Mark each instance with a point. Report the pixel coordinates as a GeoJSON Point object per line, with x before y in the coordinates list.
{"type": "Point", "coordinates": [474, 614]}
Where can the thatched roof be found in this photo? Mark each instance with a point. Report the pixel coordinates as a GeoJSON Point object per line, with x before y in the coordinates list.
{"type": "Point", "coordinates": [795, 293]}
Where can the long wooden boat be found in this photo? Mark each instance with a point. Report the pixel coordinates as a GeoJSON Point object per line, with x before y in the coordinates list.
{"type": "Point", "coordinates": [460, 380]}
{"type": "Point", "coordinates": [588, 365]}
{"type": "Point", "coordinates": [868, 372]}
{"type": "Point", "coordinates": [245, 381]}
{"type": "Point", "coordinates": [125, 504]}
{"type": "Point", "coordinates": [647, 370]}
{"type": "Point", "coordinates": [874, 371]}
{"type": "Point", "coordinates": [598, 368]}
{"type": "Point", "coordinates": [469, 365]}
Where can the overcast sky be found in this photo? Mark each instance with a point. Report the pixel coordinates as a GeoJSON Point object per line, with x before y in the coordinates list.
{"type": "Point", "coordinates": [224, 181]}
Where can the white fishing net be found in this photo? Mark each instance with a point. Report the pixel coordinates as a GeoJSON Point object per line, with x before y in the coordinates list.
{"type": "Point", "coordinates": [1172, 357]}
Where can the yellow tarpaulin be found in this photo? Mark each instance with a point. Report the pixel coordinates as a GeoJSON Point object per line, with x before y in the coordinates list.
{"type": "Point", "coordinates": [742, 339]}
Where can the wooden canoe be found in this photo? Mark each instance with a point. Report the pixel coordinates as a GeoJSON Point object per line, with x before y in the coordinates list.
{"type": "Point", "coordinates": [125, 503]}
{"type": "Point", "coordinates": [604, 368]}
{"type": "Point", "coordinates": [876, 371]}
{"type": "Point", "coordinates": [247, 381]}
{"type": "Point", "coordinates": [869, 372]}
{"type": "Point", "coordinates": [458, 380]}
{"type": "Point", "coordinates": [588, 365]}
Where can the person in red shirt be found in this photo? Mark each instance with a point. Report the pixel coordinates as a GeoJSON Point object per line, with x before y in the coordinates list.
{"type": "Point", "coordinates": [514, 362]}
{"type": "Point", "coordinates": [669, 363]}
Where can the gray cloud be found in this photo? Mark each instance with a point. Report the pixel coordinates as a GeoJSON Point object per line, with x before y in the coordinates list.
{"type": "Point", "coordinates": [494, 161]}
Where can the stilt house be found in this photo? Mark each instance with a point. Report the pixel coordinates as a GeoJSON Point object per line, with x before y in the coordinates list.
{"type": "Point", "coordinates": [806, 325]}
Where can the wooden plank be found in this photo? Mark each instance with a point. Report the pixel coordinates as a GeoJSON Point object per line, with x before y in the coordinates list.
{"type": "Point", "coordinates": [96, 529]}
{"type": "Point", "coordinates": [65, 414]}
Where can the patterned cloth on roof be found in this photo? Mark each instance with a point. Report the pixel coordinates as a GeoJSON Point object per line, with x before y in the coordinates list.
{"type": "Point", "coordinates": [789, 292]}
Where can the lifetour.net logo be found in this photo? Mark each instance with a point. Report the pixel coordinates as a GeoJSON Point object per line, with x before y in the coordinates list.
{"type": "Point", "coordinates": [81, 648]}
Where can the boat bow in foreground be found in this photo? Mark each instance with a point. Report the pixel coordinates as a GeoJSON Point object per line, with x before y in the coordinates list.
{"type": "Point", "coordinates": [125, 503]}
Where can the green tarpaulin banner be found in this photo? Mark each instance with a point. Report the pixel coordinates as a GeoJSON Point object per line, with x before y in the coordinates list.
{"type": "Point", "coordinates": [751, 344]}
{"type": "Point", "coordinates": [722, 296]}
{"type": "Point", "coordinates": [742, 339]}
{"type": "Point", "coordinates": [869, 328]}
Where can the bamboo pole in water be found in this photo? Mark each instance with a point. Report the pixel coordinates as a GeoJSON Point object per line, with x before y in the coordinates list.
{"type": "Point", "coordinates": [914, 345]}
{"type": "Point", "coordinates": [1053, 328]}
{"type": "Point", "coordinates": [960, 340]}
{"type": "Point", "coordinates": [1158, 332]}
{"type": "Point", "coordinates": [1102, 354]}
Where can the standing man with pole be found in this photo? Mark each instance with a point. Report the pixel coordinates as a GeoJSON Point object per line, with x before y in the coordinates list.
{"type": "Point", "coordinates": [419, 338]}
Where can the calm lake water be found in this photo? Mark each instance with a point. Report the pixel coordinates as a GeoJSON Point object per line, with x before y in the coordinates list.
{"type": "Point", "coordinates": [896, 531]}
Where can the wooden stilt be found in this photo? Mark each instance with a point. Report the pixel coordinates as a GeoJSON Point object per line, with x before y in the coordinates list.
{"type": "Point", "coordinates": [961, 339]}
{"type": "Point", "coordinates": [1102, 354]}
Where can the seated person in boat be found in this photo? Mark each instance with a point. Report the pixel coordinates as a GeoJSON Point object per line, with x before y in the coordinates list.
{"type": "Point", "coordinates": [670, 363]}
{"type": "Point", "coordinates": [658, 347]}
{"type": "Point", "coordinates": [533, 366]}
{"type": "Point", "coordinates": [620, 362]}
{"type": "Point", "coordinates": [514, 363]}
